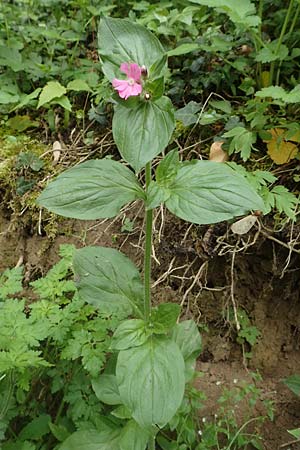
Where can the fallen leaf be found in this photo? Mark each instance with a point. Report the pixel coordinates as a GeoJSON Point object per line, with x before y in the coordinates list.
{"type": "Point", "coordinates": [56, 148]}
{"type": "Point", "coordinates": [280, 150]}
{"type": "Point", "coordinates": [243, 225]}
{"type": "Point", "coordinates": [216, 152]}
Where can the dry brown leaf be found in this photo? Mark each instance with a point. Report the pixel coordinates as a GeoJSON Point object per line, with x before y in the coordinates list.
{"type": "Point", "coordinates": [216, 152]}
{"type": "Point", "coordinates": [280, 150]}
{"type": "Point", "coordinates": [56, 148]}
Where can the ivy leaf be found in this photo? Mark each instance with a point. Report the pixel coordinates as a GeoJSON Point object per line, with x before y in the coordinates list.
{"type": "Point", "coordinates": [120, 40]}
{"type": "Point", "coordinates": [206, 192]}
{"type": "Point", "coordinates": [91, 190]}
{"type": "Point", "coordinates": [52, 90]}
{"type": "Point", "coordinates": [151, 381]}
{"type": "Point", "coordinates": [133, 130]}
{"type": "Point", "coordinates": [108, 280]}
{"type": "Point", "coordinates": [188, 114]}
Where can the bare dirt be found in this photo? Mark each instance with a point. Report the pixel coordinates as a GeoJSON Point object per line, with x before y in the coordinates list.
{"type": "Point", "coordinates": [210, 272]}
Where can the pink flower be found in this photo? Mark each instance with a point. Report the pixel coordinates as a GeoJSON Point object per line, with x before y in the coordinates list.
{"type": "Point", "coordinates": [131, 86]}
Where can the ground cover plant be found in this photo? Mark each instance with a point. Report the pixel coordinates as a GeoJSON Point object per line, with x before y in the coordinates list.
{"type": "Point", "coordinates": [97, 364]}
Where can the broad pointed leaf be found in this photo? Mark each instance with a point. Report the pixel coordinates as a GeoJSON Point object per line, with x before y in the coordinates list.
{"type": "Point", "coordinates": [134, 134]}
{"type": "Point", "coordinates": [151, 381]}
{"type": "Point", "coordinates": [121, 40]}
{"type": "Point", "coordinates": [187, 337]}
{"type": "Point", "coordinates": [106, 389]}
{"type": "Point", "coordinates": [108, 280]}
{"type": "Point", "coordinates": [208, 192]}
{"type": "Point", "coordinates": [130, 333]}
{"type": "Point", "coordinates": [53, 89]}
{"type": "Point", "coordinates": [92, 440]}
{"type": "Point", "coordinates": [91, 190]}
{"type": "Point", "coordinates": [133, 437]}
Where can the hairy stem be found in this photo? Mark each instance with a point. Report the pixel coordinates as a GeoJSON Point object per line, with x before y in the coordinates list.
{"type": "Point", "coordinates": [282, 33]}
{"type": "Point", "coordinates": [147, 257]}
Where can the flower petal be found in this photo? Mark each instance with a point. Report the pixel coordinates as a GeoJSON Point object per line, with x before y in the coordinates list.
{"type": "Point", "coordinates": [135, 72]}
{"type": "Point", "coordinates": [125, 68]}
{"type": "Point", "coordinates": [136, 89]}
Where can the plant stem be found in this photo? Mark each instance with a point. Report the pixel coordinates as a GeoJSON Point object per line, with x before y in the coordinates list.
{"type": "Point", "coordinates": [147, 257]}
{"type": "Point", "coordinates": [151, 443]}
{"type": "Point", "coordinates": [282, 33]}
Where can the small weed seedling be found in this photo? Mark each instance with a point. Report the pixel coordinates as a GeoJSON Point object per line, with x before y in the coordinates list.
{"type": "Point", "coordinates": [152, 354]}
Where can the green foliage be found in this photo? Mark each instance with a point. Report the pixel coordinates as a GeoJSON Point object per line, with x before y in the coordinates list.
{"type": "Point", "coordinates": [151, 381]}
{"type": "Point", "coordinates": [92, 190]}
{"type": "Point", "coordinates": [132, 130]}
{"type": "Point", "coordinates": [11, 282]}
{"type": "Point", "coordinates": [108, 280]}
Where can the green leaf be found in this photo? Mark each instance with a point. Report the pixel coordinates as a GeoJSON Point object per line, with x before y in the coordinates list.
{"type": "Point", "coordinates": [168, 167]}
{"type": "Point", "coordinates": [133, 437]}
{"type": "Point", "coordinates": [183, 49]}
{"type": "Point", "coordinates": [242, 141]}
{"type": "Point", "coordinates": [91, 190]}
{"type": "Point", "coordinates": [295, 433]}
{"type": "Point", "coordinates": [284, 201]}
{"type": "Point", "coordinates": [26, 99]}
{"type": "Point", "coordinates": [36, 429]}
{"type": "Point", "coordinates": [151, 381]}
{"type": "Point", "coordinates": [121, 412]}
{"type": "Point", "coordinates": [120, 40]}
{"type": "Point", "coordinates": [293, 383]}
{"type": "Point", "coordinates": [133, 130]}
{"type": "Point", "coordinates": [241, 13]}
{"type": "Point", "coordinates": [158, 67]}
{"type": "Point", "coordinates": [188, 115]}
{"type": "Point", "coordinates": [60, 432]}
{"type": "Point", "coordinates": [108, 280]}
{"type": "Point", "coordinates": [78, 85]}
{"type": "Point", "coordinates": [49, 92]}
{"type": "Point", "coordinates": [206, 192]}
{"type": "Point", "coordinates": [130, 333]}
{"type": "Point", "coordinates": [62, 101]}
{"type": "Point", "coordinates": [106, 389]}
{"type": "Point", "coordinates": [156, 195]}
{"type": "Point", "coordinates": [222, 105]}
{"type": "Point", "coordinates": [92, 440]}
{"type": "Point", "coordinates": [155, 88]}
{"type": "Point", "coordinates": [270, 53]}
{"type": "Point", "coordinates": [278, 93]}
{"type": "Point", "coordinates": [164, 317]}
{"type": "Point", "coordinates": [187, 337]}
{"type": "Point", "coordinates": [11, 282]}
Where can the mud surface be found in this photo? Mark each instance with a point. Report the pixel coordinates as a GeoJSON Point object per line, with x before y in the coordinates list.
{"type": "Point", "coordinates": [211, 274]}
